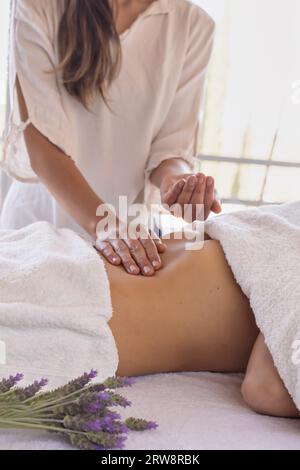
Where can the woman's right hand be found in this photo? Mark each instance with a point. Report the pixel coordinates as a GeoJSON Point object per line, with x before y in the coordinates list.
{"type": "Point", "coordinates": [138, 256]}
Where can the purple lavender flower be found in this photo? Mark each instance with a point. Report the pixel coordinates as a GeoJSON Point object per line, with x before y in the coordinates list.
{"type": "Point", "coordinates": [151, 425]}
{"type": "Point", "coordinates": [83, 443]}
{"type": "Point", "coordinates": [99, 424]}
{"type": "Point", "coordinates": [135, 424]}
{"type": "Point", "coordinates": [87, 423]}
{"type": "Point", "coordinates": [76, 384]}
{"type": "Point", "coordinates": [93, 374]}
{"type": "Point", "coordinates": [96, 388]}
{"type": "Point", "coordinates": [62, 410]}
{"type": "Point", "coordinates": [120, 442]}
{"type": "Point", "coordinates": [84, 407]}
{"type": "Point", "coordinates": [43, 383]}
{"type": "Point", "coordinates": [94, 402]}
{"type": "Point", "coordinates": [8, 384]}
{"type": "Point", "coordinates": [118, 427]}
{"type": "Point", "coordinates": [87, 411]}
{"type": "Point", "coordinates": [111, 414]}
{"type": "Point", "coordinates": [106, 424]}
{"type": "Point", "coordinates": [119, 400]}
{"type": "Point", "coordinates": [107, 440]}
{"type": "Point", "coordinates": [30, 391]}
{"type": "Point", "coordinates": [18, 377]}
{"type": "Point", "coordinates": [118, 382]}
{"type": "Point", "coordinates": [75, 423]}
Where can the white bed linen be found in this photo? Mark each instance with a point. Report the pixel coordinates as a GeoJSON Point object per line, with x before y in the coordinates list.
{"type": "Point", "coordinates": [200, 411]}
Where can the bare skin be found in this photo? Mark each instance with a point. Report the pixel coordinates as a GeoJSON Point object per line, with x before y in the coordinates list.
{"type": "Point", "coordinates": [185, 318]}
{"type": "Point", "coordinates": [193, 316]}
{"type": "Point", "coordinates": [263, 389]}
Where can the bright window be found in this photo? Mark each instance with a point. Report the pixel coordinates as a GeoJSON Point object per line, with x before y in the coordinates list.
{"type": "Point", "coordinates": [249, 139]}
{"type": "Point", "coordinates": [252, 111]}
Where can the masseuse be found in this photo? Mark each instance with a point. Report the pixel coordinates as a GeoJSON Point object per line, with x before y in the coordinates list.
{"type": "Point", "coordinates": [105, 94]}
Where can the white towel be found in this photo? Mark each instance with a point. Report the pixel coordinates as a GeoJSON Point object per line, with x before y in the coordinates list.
{"type": "Point", "coordinates": [54, 306]}
{"type": "Point", "coordinates": [262, 247]}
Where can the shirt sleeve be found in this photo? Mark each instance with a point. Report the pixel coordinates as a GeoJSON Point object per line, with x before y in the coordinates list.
{"type": "Point", "coordinates": [176, 137]}
{"type": "Point", "coordinates": [32, 58]}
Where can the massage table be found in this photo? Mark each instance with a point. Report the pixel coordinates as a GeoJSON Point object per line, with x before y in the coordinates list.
{"type": "Point", "coordinates": [199, 411]}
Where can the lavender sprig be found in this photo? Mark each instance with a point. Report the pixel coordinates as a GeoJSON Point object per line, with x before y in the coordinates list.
{"type": "Point", "coordinates": [23, 394]}
{"type": "Point", "coordinates": [119, 382]}
{"type": "Point", "coordinates": [71, 387]}
{"type": "Point", "coordinates": [7, 384]}
{"type": "Point", "coordinates": [79, 410]}
{"type": "Point", "coordinates": [136, 424]}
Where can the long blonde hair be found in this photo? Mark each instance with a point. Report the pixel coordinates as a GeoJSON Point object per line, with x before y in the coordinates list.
{"type": "Point", "coordinates": [89, 48]}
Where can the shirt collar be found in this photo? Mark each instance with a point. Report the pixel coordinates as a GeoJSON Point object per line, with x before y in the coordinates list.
{"type": "Point", "coordinates": [158, 7]}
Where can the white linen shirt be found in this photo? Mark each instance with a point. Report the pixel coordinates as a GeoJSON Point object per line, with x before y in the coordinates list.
{"type": "Point", "coordinates": [155, 101]}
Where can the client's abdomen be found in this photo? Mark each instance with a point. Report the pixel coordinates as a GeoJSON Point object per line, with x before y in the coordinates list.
{"type": "Point", "coordinates": [190, 316]}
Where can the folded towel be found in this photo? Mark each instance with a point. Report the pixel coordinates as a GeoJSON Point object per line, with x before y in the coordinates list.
{"type": "Point", "coordinates": [262, 247]}
{"type": "Point", "coordinates": [54, 306]}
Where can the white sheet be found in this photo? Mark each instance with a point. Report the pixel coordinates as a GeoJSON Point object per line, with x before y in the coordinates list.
{"type": "Point", "coordinates": [212, 416]}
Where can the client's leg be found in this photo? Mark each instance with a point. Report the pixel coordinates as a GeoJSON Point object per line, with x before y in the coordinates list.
{"type": "Point", "coordinates": [263, 390]}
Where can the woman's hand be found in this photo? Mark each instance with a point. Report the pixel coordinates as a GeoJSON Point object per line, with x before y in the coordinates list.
{"type": "Point", "coordinates": [191, 189]}
{"type": "Point", "coordinates": [138, 256]}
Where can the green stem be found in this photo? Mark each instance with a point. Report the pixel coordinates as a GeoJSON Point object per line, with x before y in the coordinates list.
{"type": "Point", "coordinates": [5, 394]}
{"type": "Point", "coordinates": [49, 408]}
{"type": "Point", "coordinates": [63, 397]}
{"type": "Point", "coordinates": [12, 411]}
{"type": "Point", "coordinates": [55, 402]}
{"type": "Point", "coordinates": [21, 425]}
{"type": "Point", "coordinates": [41, 420]}
{"type": "Point", "coordinates": [11, 407]}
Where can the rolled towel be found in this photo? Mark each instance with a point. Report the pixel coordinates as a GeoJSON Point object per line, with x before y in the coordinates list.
{"type": "Point", "coordinates": [55, 306]}
{"type": "Point", "coordinates": [262, 247]}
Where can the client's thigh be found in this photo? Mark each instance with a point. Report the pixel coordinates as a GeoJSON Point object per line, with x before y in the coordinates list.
{"type": "Point", "coordinates": [190, 316]}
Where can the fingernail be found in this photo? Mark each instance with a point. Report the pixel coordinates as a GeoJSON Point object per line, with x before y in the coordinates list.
{"type": "Point", "coordinates": [201, 179]}
{"type": "Point", "coordinates": [209, 181]}
{"type": "Point", "coordinates": [156, 264]}
{"type": "Point", "coordinates": [115, 260]}
{"type": "Point", "coordinates": [147, 270]}
{"type": "Point", "coordinates": [192, 181]}
{"type": "Point", "coordinates": [133, 269]}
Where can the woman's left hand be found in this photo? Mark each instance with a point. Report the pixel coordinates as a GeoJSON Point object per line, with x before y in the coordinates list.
{"type": "Point", "coordinates": [191, 189]}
